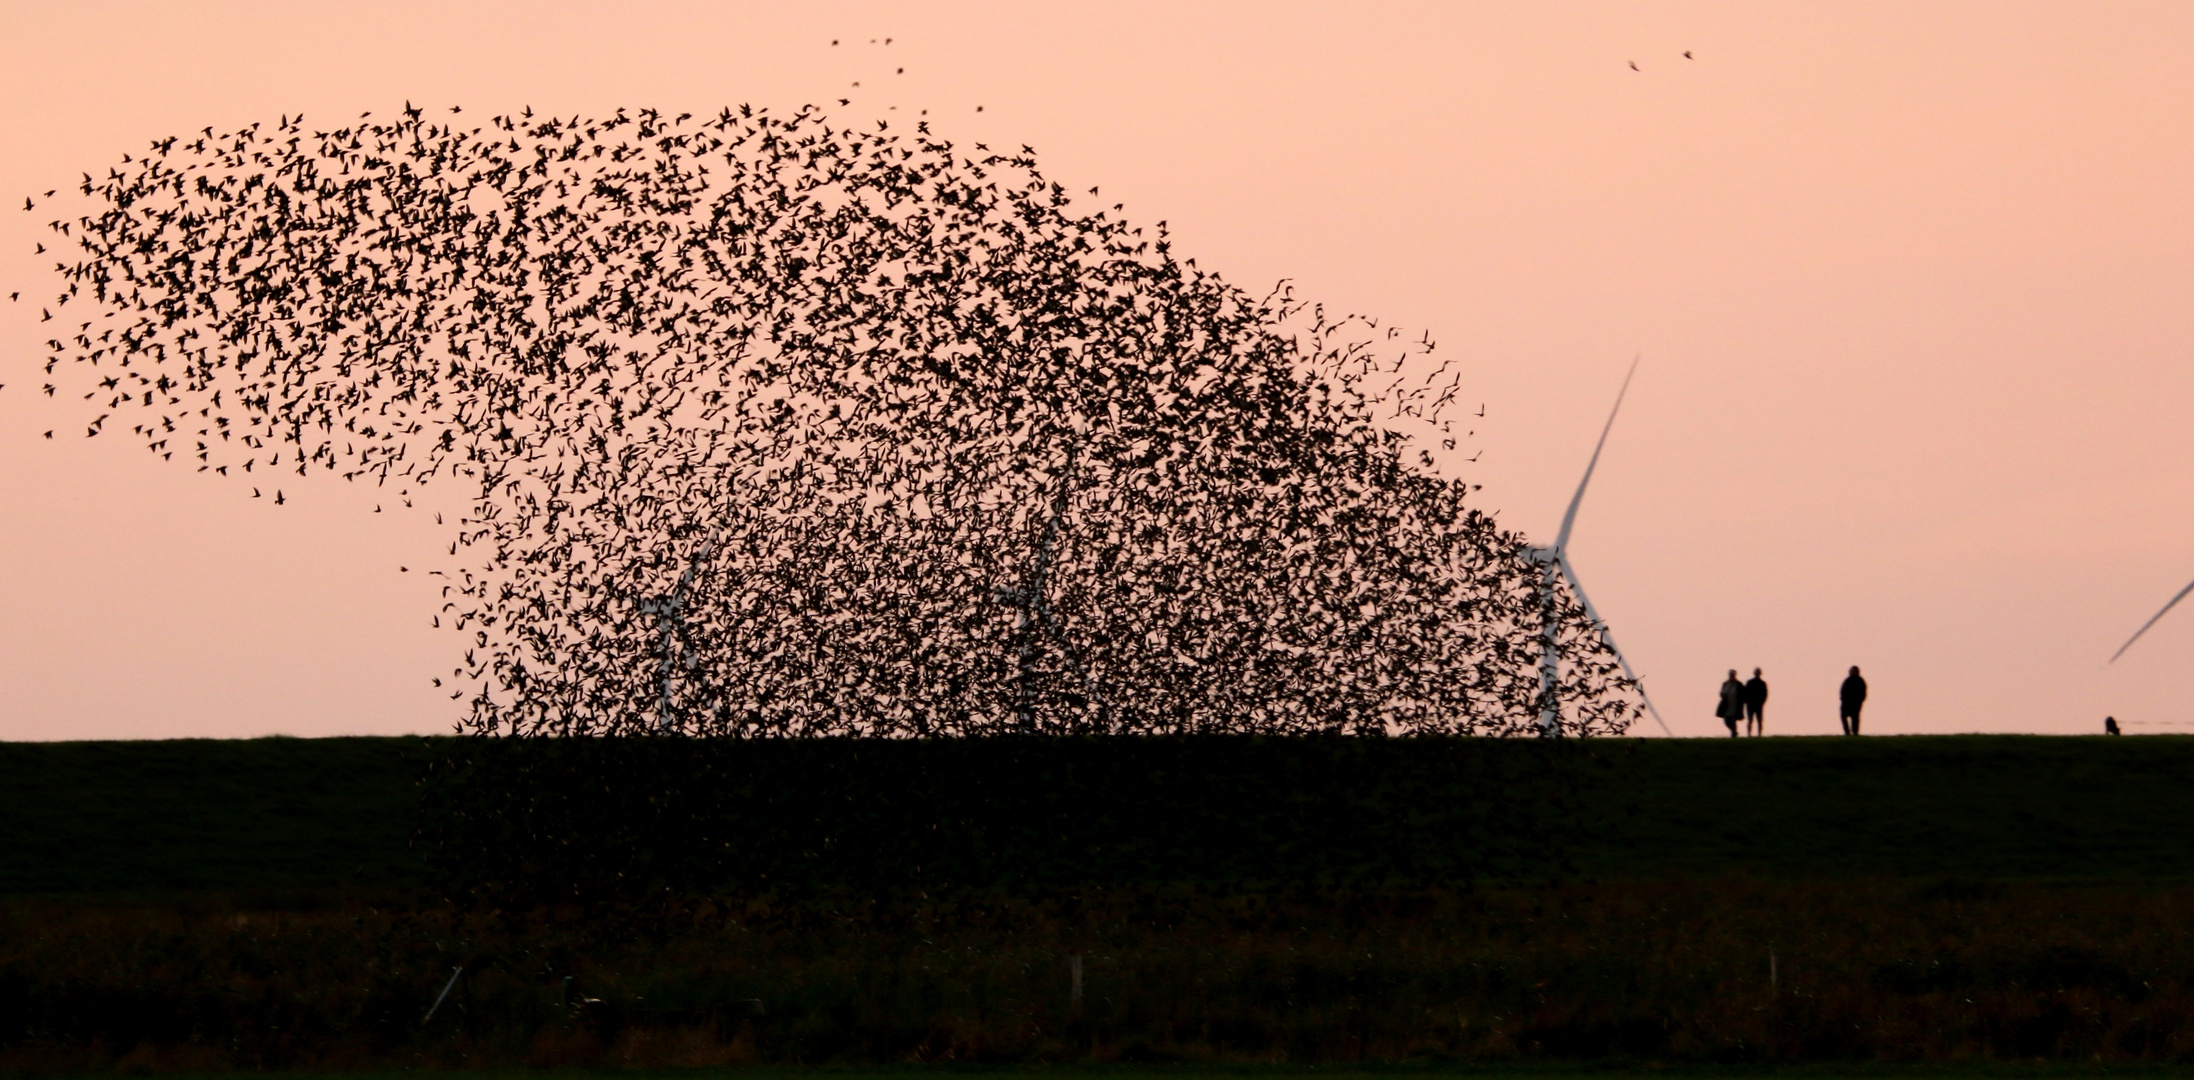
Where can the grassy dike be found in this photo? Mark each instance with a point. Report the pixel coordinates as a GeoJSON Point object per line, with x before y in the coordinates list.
{"type": "Point", "coordinates": [1980, 806]}
{"type": "Point", "coordinates": [163, 817]}
{"type": "Point", "coordinates": [158, 817]}
{"type": "Point", "coordinates": [1936, 903]}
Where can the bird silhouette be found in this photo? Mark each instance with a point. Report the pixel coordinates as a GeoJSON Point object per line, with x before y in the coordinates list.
{"type": "Point", "coordinates": [767, 425]}
{"type": "Point", "coordinates": [1634, 65]}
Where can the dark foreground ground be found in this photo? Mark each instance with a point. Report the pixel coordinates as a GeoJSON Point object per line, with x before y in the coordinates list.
{"type": "Point", "coordinates": [289, 814]}
{"type": "Point", "coordinates": [1271, 1071]}
{"type": "Point", "coordinates": [1951, 905]}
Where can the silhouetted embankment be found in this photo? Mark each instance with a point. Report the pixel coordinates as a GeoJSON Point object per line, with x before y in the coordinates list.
{"type": "Point", "coordinates": [290, 814]}
{"type": "Point", "coordinates": [255, 905]}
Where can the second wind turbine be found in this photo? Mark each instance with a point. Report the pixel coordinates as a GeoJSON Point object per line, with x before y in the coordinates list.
{"type": "Point", "coordinates": [1555, 559]}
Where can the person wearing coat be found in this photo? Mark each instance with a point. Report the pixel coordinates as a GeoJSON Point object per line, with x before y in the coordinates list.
{"type": "Point", "coordinates": [1732, 708]}
{"type": "Point", "coordinates": [1850, 698]}
{"type": "Point", "coordinates": [1756, 704]}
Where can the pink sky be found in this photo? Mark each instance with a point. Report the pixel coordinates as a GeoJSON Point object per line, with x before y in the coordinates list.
{"type": "Point", "coordinates": [1914, 285]}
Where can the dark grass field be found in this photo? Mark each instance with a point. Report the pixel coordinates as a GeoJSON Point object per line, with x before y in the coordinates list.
{"type": "Point", "coordinates": [1933, 906]}
{"type": "Point", "coordinates": [1986, 806]}
{"type": "Point", "coordinates": [1262, 1071]}
{"type": "Point", "coordinates": [154, 817]}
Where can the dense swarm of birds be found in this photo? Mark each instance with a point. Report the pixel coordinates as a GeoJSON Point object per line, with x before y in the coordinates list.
{"type": "Point", "coordinates": [773, 427]}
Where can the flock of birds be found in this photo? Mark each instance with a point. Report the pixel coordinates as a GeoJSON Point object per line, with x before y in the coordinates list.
{"type": "Point", "coordinates": [773, 427]}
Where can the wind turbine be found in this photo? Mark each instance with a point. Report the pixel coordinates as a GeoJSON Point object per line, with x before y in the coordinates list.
{"type": "Point", "coordinates": [1555, 558]}
{"type": "Point", "coordinates": [1034, 603]}
{"type": "Point", "coordinates": [670, 616]}
{"type": "Point", "coordinates": [2151, 622]}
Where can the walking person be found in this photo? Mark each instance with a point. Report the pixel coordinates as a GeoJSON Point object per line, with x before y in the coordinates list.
{"type": "Point", "coordinates": [1852, 696]}
{"type": "Point", "coordinates": [1732, 706]}
{"type": "Point", "coordinates": [1755, 705]}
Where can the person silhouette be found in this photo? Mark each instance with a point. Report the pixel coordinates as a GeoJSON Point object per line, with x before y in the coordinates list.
{"type": "Point", "coordinates": [1852, 696]}
{"type": "Point", "coordinates": [1756, 705]}
{"type": "Point", "coordinates": [2110, 726]}
{"type": "Point", "coordinates": [1732, 706]}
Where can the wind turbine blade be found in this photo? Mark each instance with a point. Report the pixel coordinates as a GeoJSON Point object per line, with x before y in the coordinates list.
{"type": "Point", "coordinates": [1609, 638]}
{"type": "Point", "coordinates": [1561, 539]}
{"type": "Point", "coordinates": [2151, 622]}
{"type": "Point", "coordinates": [700, 555]}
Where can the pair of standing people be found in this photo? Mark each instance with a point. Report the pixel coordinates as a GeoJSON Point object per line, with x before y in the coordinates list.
{"type": "Point", "coordinates": [1746, 701]}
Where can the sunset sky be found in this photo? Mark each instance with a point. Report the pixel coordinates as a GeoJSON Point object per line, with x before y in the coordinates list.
{"type": "Point", "coordinates": [1913, 285]}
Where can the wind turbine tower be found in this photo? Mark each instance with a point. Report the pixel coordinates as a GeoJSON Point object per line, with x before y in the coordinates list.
{"type": "Point", "coordinates": [670, 619]}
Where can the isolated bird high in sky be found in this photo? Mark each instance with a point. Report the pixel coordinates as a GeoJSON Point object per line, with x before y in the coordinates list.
{"type": "Point", "coordinates": [1909, 279]}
